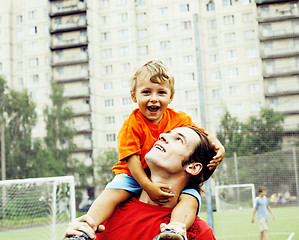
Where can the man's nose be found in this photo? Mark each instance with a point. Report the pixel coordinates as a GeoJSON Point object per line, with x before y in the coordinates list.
{"type": "Point", "coordinates": [163, 137]}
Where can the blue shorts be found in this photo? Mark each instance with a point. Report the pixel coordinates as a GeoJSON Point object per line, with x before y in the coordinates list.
{"type": "Point", "coordinates": [128, 183]}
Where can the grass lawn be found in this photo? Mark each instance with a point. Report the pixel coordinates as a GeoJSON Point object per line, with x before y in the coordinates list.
{"type": "Point", "coordinates": [227, 225]}
{"type": "Point", "coordinates": [237, 224]}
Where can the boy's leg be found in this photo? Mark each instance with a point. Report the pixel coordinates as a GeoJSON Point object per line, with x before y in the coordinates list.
{"type": "Point", "coordinates": [103, 207]}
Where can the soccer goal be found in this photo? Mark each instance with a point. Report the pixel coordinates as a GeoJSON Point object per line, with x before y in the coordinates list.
{"type": "Point", "coordinates": [36, 208]}
{"type": "Point", "coordinates": [234, 197]}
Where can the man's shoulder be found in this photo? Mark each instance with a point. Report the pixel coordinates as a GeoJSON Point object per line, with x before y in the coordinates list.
{"type": "Point", "coordinates": [200, 230]}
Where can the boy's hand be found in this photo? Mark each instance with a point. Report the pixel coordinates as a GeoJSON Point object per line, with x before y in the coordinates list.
{"type": "Point", "coordinates": [220, 152]}
{"type": "Point", "coordinates": [159, 193]}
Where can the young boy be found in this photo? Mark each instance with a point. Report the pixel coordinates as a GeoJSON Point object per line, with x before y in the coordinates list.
{"type": "Point", "coordinates": [152, 88]}
{"type": "Point", "coordinates": [261, 206]}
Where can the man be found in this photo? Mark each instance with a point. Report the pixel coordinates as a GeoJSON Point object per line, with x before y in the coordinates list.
{"type": "Point", "coordinates": [179, 159]}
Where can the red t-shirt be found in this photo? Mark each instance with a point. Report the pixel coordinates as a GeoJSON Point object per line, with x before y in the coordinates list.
{"type": "Point", "coordinates": [138, 135]}
{"type": "Point", "coordinates": [137, 220]}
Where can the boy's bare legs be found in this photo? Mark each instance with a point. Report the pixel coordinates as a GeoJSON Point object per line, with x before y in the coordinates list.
{"type": "Point", "coordinates": [103, 207]}
{"type": "Point", "coordinates": [264, 235]}
{"type": "Point", "coordinates": [183, 215]}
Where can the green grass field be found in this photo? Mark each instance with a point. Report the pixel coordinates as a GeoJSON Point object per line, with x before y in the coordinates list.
{"type": "Point", "coordinates": [227, 225]}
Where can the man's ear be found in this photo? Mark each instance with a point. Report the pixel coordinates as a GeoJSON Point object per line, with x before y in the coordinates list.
{"type": "Point", "coordinates": [133, 96]}
{"type": "Point", "coordinates": [194, 168]}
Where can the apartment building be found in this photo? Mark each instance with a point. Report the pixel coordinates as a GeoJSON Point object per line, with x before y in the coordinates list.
{"type": "Point", "coordinates": [91, 47]}
{"type": "Point", "coordinates": [279, 43]}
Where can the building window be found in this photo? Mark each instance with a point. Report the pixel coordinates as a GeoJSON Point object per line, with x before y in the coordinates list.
{"type": "Point", "coordinates": [20, 66]}
{"type": "Point", "coordinates": [254, 88]}
{"type": "Point", "coordinates": [141, 17]}
{"type": "Point", "coordinates": [142, 33]}
{"type": "Point", "coordinates": [249, 34]}
{"type": "Point", "coordinates": [246, 2]}
{"type": "Point", "coordinates": [139, 2]}
{"type": "Point", "coordinates": [234, 90]}
{"type": "Point", "coordinates": [190, 95]}
{"type": "Point", "coordinates": [247, 17]}
{"type": "Point", "coordinates": [143, 50]}
{"type": "Point", "coordinates": [165, 45]}
{"type": "Point", "coordinates": [212, 24]}
{"type": "Point", "coordinates": [230, 37]}
{"type": "Point", "coordinates": [108, 86]}
{"type": "Point", "coordinates": [184, 8]}
{"type": "Point", "coordinates": [236, 108]}
{"type": "Point", "coordinates": [189, 77]}
{"type": "Point", "coordinates": [125, 83]}
{"type": "Point", "coordinates": [186, 25]}
{"type": "Point", "coordinates": [123, 17]}
{"type": "Point", "coordinates": [19, 19]}
{"type": "Point", "coordinates": [1, 66]}
{"type": "Point", "coordinates": [126, 101]}
{"type": "Point", "coordinates": [163, 28]}
{"type": "Point", "coordinates": [255, 107]}
{"type": "Point", "coordinates": [188, 59]}
{"type": "Point", "coordinates": [111, 137]}
{"type": "Point", "coordinates": [218, 111]}
{"type": "Point", "coordinates": [32, 14]}
{"type": "Point", "coordinates": [121, 2]}
{"type": "Point", "coordinates": [187, 42]}
{"type": "Point", "coordinates": [106, 36]}
{"type": "Point", "coordinates": [163, 11]}
{"type": "Point", "coordinates": [226, 3]}
{"type": "Point", "coordinates": [251, 52]}
{"type": "Point", "coordinates": [229, 20]}
{"type": "Point", "coordinates": [107, 53]}
{"type": "Point", "coordinates": [214, 58]}
{"type": "Point", "coordinates": [212, 41]}
{"type": "Point", "coordinates": [124, 51]}
{"type": "Point", "coordinates": [110, 120]}
{"type": "Point", "coordinates": [253, 70]}
{"type": "Point", "coordinates": [216, 76]}
{"type": "Point", "coordinates": [109, 103]}
{"type": "Point", "coordinates": [33, 30]}
{"type": "Point", "coordinates": [125, 67]}
{"type": "Point", "coordinates": [231, 54]}
{"type": "Point", "coordinates": [216, 93]}
{"type": "Point", "coordinates": [192, 112]}
{"type": "Point", "coordinates": [108, 69]}
{"type": "Point", "coordinates": [124, 33]}
{"type": "Point", "coordinates": [104, 3]}
{"type": "Point", "coordinates": [33, 62]}
{"type": "Point", "coordinates": [34, 78]}
{"type": "Point", "coordinates": [233, 72]}
{"type": "Point", "coordinates": [211, 7]}
{"type": "Point", "coordinates": [33, 46]}
{"type": "Point", "coordinates": [105, 20]}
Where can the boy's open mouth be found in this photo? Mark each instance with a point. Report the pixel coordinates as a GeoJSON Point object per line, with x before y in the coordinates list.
{"type": "Point", "coordinates": [153, 109]}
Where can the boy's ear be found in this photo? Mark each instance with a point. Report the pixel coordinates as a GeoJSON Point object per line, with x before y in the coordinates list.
{"type": "Point", "coordinates": [194, 168]}
{"type": "Point", "coordinates": [133, 96]}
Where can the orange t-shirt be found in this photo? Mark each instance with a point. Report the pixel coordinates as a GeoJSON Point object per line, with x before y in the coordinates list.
{"type": "Point", "coordinates": [138, 135]}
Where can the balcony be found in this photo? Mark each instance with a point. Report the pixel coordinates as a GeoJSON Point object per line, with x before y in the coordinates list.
{"type": "Point", "coordinates": [279, 34]}
{"type": "Point", "coordinates": [280, 71]}
{"type": "Point", "coordinates": [274, 91]}
{"type": "Point", "coordinates": [70, 59]}
{"type": "Point", "coordinates": [71, 76]}
{"type": "Point", "coordinates": [58, 44]}
{"type": "Point", "coordinates": [69, 26]}
{"type": "Point", "coordinates": [81, 109]}
{"type": "Point", "coordinates": [278, 15]}
{"type": "Point", "coordinates": [270, 53]}
{"type": "Point", "coordinates": [67, 8]}
{"type": "Point", "coordinates": [76, 93]}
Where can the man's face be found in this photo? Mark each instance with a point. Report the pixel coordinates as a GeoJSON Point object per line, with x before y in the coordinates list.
{"type": "Point", "coordinates": [172, 148]}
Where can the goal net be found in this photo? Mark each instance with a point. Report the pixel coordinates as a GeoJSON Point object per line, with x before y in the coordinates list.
{"type": "Point", "coordinates": [39, 208]}
{"type": "Point", "coordinates": [234, 197]}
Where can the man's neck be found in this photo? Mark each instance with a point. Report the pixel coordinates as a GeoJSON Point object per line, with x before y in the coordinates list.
{"type": "Point", "coordinates": [176, 185]}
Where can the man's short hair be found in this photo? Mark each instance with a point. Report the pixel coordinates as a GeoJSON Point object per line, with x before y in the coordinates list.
{"type": "Point", "coordinates": [203, 153]}
{"type": "Point", "coordinates": [157, 71]}
{"type": "Point", "coordinates": [261, 189]}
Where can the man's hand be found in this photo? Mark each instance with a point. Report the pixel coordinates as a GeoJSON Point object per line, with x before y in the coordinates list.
{"type": "Point", "coordinates": [159, 193]}
{"type": "Point", "coordinates": [83, 224]}
{"type": "Point", "coordinates": [220, 152]}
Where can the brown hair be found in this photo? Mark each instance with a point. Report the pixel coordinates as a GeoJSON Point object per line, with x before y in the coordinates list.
{"type": "Point", "coordinates": [157, 71]}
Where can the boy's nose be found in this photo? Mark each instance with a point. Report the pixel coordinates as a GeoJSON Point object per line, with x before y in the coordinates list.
{"type": "Point", "coordinates": [154, 98]}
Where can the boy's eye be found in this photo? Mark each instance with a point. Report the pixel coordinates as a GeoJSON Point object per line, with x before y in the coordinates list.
{"type": "Point", "coordinates": [146, 92]}
{"type": "Point", "coordinates": [179, 139]}
{"type": "Point", "coordinates": [162, 92]}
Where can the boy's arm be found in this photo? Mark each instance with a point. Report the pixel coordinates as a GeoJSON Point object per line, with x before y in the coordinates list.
{"type": "Point", "coordinates": [158, 192]}
{"type": "Point", "coordinates": [254, 211]}
{"type": "Point", "coordinates": [220, 152]}
{"type": "Point", "coordinates": [270, 210]}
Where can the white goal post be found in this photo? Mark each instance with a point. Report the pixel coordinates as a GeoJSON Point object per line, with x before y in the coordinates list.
{"type": "Point", "coordinates": [234, 197]}
{"type": "Point", "coordinates": [36, 208]}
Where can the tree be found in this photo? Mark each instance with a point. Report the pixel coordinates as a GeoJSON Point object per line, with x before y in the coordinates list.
{"type": "Point", "coordinates": [19, 122]}
{"type": "Point", "coordinates": [60, 133]}
{"type": "Point", "coordinates": [107, 158]}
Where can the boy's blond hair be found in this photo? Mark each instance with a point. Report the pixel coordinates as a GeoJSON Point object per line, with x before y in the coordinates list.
{"type": "Point", "coordinates": [157, 71]}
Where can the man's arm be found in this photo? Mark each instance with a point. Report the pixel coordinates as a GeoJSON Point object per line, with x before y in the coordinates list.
{"type": "Point", "coordinates": [254, 211]}
{"type": "Point", "coordinates": [158, 192]}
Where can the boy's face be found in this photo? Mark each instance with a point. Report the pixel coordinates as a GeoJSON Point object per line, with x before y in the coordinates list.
{"type": "Point", "coordinates": [152, 98]}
